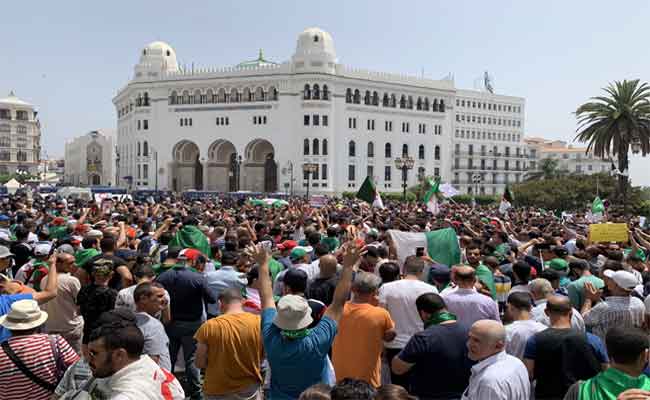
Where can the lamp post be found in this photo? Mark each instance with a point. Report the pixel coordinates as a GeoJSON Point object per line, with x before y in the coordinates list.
{"type": "Point", "coordinates": [476, 179]}
{"type": "Point", "coordinates": [309, 168]}
{"type": "Point", "coordinates": [238, 162]}
{"type": "Point", "coordinates": [117, 167]}
{"type": "Point", "coordinates": [404, 164]}
{"type": "Point", "coordinates": [290, 166]}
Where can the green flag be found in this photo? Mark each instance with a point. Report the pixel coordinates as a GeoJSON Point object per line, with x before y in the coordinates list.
{"type": "Point", "coordinates": [597, 206]}
{"type": "Point", "coordinates": [368, 191]}
{"type": "Point", "coordinates": [191, 237]}
{"type": "Point", "coordinates": [431, 197]}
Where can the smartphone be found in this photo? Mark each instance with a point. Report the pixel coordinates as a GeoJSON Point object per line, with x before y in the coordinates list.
{"type": "Point", "coordinates": [419, 251]}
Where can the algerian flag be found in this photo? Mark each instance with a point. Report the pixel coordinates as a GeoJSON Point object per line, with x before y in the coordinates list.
{"type": "Point", "coordinates": [447, 190]}
{"type": "Point", "coordinates": [431, 197]}
{"type": "Point", "coordinates": [191, 237]}
{"type": "Point", "coordinates": [442, 245]}
{"type": "Point", "coordinates": [368, 193]}
{"type": "Point", "coordinates": [268, 202]}
{"type": "Point", "coordinates": [597, 206]}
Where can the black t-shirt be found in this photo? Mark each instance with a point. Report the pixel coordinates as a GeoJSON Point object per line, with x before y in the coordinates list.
{"type": "Point", "coordinates": [111, 261]}
{"type": "Point", "coordinates": [441, 369]}
{"type": "Point", "coordinates": [22, 253]}
{"type": "Point", "coordinates": [322, 289]}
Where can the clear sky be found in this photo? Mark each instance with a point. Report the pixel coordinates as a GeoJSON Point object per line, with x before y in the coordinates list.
{"type": "Point", "coordinates": [70, 57]}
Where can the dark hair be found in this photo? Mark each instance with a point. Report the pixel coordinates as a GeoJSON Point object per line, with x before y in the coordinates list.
{"type": "Point", "coordinates": [127, 337]}
{"type": "Point", "coordinates": [143, 271]}
{"type": "Point", "coordinates": [21, 232]}
{"type": "Point", "coordinates": [520, 300]}
{"type": "Point", "coordinates": [88, 243]}
{"type": "Point", "coordinates": [230, 295]}
{"type": "Point", "coordinates": [253, 274]}
{"type": "Point", "coordinates": [549, 274]}
{"type": "Point", "coordinates": [229, 258]}
{"type": "Point", "coordinates": [319, 391]}
{"type": "Point", "coordinates": [625, 344]}
{"type": "Point", "coordinates": [352, 389]}
{"type": "Point", "coordinates": [295, 280]}
{"type": "Point", "coordinates": [522, 269]}
{"type": "Point", "coordinates": [172, 252]}
{"type": "Point", "coordinates": [107, 244]}
{"type": "Point", "coordinates": [430, 303]}
{"type": "Point", "coordinates": [413, 266]}
{"type": "Point", "coordinates": [579, 264]}
{"type": "Point", "coordinates": [313, 238]}
{"type": "Point", "coordinates": [143, 289]}
{"type": "Point", "coordinates": [393, 392]}
{"type": "Point", "coordinates": [165, 238]}
{"type": "Point", "coordinates": [321, 249]}
{"type": "Point", "coordinates": [389, 272]}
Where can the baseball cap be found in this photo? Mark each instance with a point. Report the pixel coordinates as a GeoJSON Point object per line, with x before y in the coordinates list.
{"type": "Point", "coordinates": [297, 253]}
{"type": "Point", "coordinates": [623, 279]}
{"type": "Point", "coordinates": [557, 264]}
{"type": "Point", "coordinates": [42, 249]}
{"type": "Point", "coordinates": [94, 234]}
{"type": "Point", "coordinates": [65, 249]}
{"type": "Point", "coordinates": [293, 314]}
{"type": "Point", "coordinates": [190, 254]}
{"type": "Point", "coordinates": [287, 245]}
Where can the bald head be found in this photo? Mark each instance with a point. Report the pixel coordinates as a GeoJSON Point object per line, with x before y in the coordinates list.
{"type": "Point", "coordinates": [558, 305]}
{"type": "Point", "coordinates": [490, 329]}
{"type": "Point", "coordinates": [464, 276]}
{"type": "Point", "coordinates": [540, 288]}
{"type": "Point", "coordinates": [327, 265]}
{"type": "Point", "coordinates": [485, 338]}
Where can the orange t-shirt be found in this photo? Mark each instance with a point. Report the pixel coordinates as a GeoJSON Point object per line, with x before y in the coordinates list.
{"type": "Point", "coordinates": [234, 352]}
{"type": "Point", "coordinates": [357, 348]}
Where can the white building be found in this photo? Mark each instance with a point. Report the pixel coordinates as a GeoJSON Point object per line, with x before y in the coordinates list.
{"type": "Point", "coordinates": [20, 136]}
{"type": "Point", "coordinates": [90, 159]}
{"type": "Point", "coordinates": [254, 125]}
{"type": "Point", "coordinates": [570, 158]}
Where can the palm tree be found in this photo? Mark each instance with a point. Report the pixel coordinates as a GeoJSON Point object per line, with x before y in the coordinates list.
{"type": "Point", "coordinates": [548, 168]}
{"type": "Point", "coordinates": [613, 123]}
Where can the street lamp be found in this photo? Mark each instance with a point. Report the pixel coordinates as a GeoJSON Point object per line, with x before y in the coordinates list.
{"type": "Point", "coordinates": [309, 168]}
{"type": "Point", "coordinates": [404, 164]}
{"type": "Point", "coordinates": [290, 166]}
{"type": "Point", "coordinates": [238, 162]}
{"type": "Point", "coordinates": [476, 179]}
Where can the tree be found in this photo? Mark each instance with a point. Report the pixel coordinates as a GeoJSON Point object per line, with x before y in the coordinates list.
{"type": "Point", "coordinates": [548, 168]}
{"type": "Point", "coordinates": [613, 123]}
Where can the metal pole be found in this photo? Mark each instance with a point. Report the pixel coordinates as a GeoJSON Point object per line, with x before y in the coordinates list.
{"type": "Point", "coordinates": [404, 169]}
{"type": "Point", "coordinates": [291, 175]}
{"type": "Point", "coordinates": [308, 182]}
{"type": "Point", "coordinates": [156, 172]}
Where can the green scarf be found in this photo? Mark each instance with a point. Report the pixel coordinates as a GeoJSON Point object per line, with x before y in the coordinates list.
{"type": "Point", "coordinates": [609, 384]}
{"type": "Point", "coordinates": [439, 317]}
{"type": "Point", "coordinates": [293, 335]}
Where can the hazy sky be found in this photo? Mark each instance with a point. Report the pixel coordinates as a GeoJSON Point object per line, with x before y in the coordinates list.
{"type": "Point", "coordinates": [70, 57]}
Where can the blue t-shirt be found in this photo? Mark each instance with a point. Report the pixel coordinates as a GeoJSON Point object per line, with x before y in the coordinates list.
{"type": "Point", "coordinates": [296, 364]}
{"type": "Point", "coordinates": [6, 300]}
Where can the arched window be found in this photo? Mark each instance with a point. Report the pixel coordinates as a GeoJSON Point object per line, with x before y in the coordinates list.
{"type": "Point", "coordinates": [210, 97]}
{"type": "Point", "coordinates": [402, 102]}
{"type": "Point", "coordinates": [324, 147]}
{"type": "Point", "coordinates": [371, 150]}
{"type": "Point", "coordinates": [235, 96]}
{"type": "Point", "coordinates": [393, 100]}
{"type": "Point", "coordinates": [418, 105]}
{"type": "Point", "coordinates": [385, 101]}
{"type": "Point", "coordinates": [221, 95]}
{"type": "Point", "coordinates": [247, 95]}
{"type": "Point", "coordinates": [410, 103]}
{"type": "Point", "coordinates": [305, 147]}
{"type": "Point", "coordinates": [441, 108]}
{"type": "Point", "coordinates": [315, 147]}
{"type": "Point", "coordinates": [435, 105]}
{"type": "Point", "coordinates": [139, 149]}
{"type": "Point", "coordinates": [436, 153]}
{"type": "Point", "coordinates": [259, 94]}
{"type": "Point", "coordinates": [357, 97]}
{"type": "Point", "coordinates": [348, 95]}
{"type": "Point", "coordinates": [366, 99]}
{"type": "Point", "coordinates": [405, 150]}
{"type": "Point", "coordinates": [387, 150]}
{"type": "Point", "coordinates": [316, 93]}
{"type": "Point", "coordinates": [421, 174]}
{"type": "Point", "coordinates": [352, 150]}
{"type": "Point", "coordinates": [306, 94]}
{"type": "Point", "coordinates": [138, 101]}
{"type": "Point", "coordinates": [186, 97]}
{"type": "Point", "coordinates": [145, 99]}
{"type": "Point", "coordinates": [375, 98]}
{"type": "Point", "coordinates": [145, 149]}
{"type": "Point", "coordinates": [326, 93]}
{"type": "Point", "coordinates": [425, 106]}
{"type": "Point", "coordinates": [421, 152]}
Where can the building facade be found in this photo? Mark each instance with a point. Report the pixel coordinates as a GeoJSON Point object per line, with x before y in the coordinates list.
{"type": "Point", "coordinates": [310, 122]}
{"type": "Point", "coordinates": [20, 136]}
{"type": "Point", "coordinates": [90, 159]}
{"type": "Point", "coordinates": [570, 158]}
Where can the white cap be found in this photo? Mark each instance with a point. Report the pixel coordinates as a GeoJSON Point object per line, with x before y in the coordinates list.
{"type": "Point", "coordinates": [623, 279]}
{"type": "Point", "coordinates": [42, 249]}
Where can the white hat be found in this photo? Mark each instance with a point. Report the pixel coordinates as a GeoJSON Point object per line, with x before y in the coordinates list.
{"type": "Point", "coordinates": [94, 234]}
{"type": "Point", "coordinates": [4, 252]}
{"type": "Point", "coordinates": [293, 314]}
{"type": "Point", "coordinates": [623, 279]}
{"type": "Point", "coordinates": [24, 315]}
{"type": "Point", "coordinates": [42, 248]}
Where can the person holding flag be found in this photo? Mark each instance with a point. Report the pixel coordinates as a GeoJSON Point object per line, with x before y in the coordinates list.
{"type": "Point", "coordinates": [506, 200]}
{"type": "Point", "coordinates": [431, 197]}
{"type": "Point", "coordinates": [368, 192]}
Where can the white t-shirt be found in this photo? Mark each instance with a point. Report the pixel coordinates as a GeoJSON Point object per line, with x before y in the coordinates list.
{"type": "Point", "coordinates": [398, 297]}
{"type": "Point", "coordinates": [517, 333]}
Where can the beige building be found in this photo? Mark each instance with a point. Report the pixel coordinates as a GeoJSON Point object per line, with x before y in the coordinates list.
{"type": "Point", "coordinates": [20, 136]}
{"type": "Point", "coordinates": [89, 159]}
{"type": "Point", "coordinates": [571, 158]}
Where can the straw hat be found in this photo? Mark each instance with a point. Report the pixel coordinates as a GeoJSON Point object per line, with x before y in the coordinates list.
{"type": "Point", "coordinates": [24, 315]}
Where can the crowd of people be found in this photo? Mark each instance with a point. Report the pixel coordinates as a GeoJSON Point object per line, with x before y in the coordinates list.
{"type": "Point", "coordinates": [226, 299]}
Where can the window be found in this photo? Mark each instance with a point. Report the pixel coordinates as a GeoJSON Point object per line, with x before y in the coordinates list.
{"type": "Point", "coordinates": [387, 150]}
{"type": "Point", "coordinates": [370, 124]}
{"type": "Point", "coordinates": [5, 114]}
{"type": "Point", "coordinates": [21, 116]}
{"type": "Point", "coordinates": [316, 93]}
{"type": "Point", "coordinates": [138, 124]}
{"type": "Point", "coordinates": [387, 173]}
{"type": "Point", "coordinates": [436, 171]}
{"type": "Point", "coordinates": [21, 130]}
{"type": "Point", "coordinates": [305, 120]}
{"type": "Point", "coordinates": [348, 95]}
{"type": "Point", "coordinates": [421, 173]}
{"type": "Point", "coordinates": [145, 149]}
{"type": "Point", "coordinates": [366, 99]}
{"type": "Point", "coordinates": [405, 150]}
{"type": "Point", "coordinates": [316, 120]}
{"type": "Point", "coordinates": [370, 171]}
{"type": "Point", "coordinates": [436, 153]}
{"type": "Point", "coordinates": [315, 148]}
{"type": "Point", "coordinates": [388, 126]}
{"type": "Point", "coordinates": [145, 171]}
{"type": "Point", "coordinates": [357, 97]}
{"type": "Point", "coordinates": [371, 150]}
{"type": "Point", "coordinates": [145, 124]}
{"type": "Point", "coordinates": [305, 147]}
{"type": "Point", "coordinates": [470, 149]}
{"type": "Point", "coordinates": [352, 149]}
{"type": "Point", "coordinates": [351, 172]}
{"type": "Point", "coordinates": [324, 147]}
{"type": "Point", "coordinates": [323, 172]}
{"type": "Point", "coordinates": [181, 121]}
{"type": "Point", "coordinates": [325, 119]}
{"type": "Point", "coordinates": [421, 152]}
{"type": "Point", "coordinates": [326, 93]}
{"type": "Point", "coordinates": [306, 93]}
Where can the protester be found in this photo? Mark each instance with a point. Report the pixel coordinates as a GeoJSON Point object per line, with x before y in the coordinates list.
{"type": "Point", "coordinates": [226, 277]}
{"type": "Point", "coordinates": [323, 286]}
{"type": "Point", "coordinates": [542, 290]}
{"type": "Point", "coordinates": [149, 301]}
{"type": "Point", "coordinates": [465, 302]}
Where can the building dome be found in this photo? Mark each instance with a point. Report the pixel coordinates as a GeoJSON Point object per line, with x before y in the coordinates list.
{"type": "Point", "coordinates": [157, 57]}
{"type": "Point", "coordinates": [14, 101]}
{"type": "Point", "coordinates": [315, 42]}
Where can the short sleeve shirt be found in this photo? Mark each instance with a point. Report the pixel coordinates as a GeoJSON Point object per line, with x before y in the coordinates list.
{"type": "Point", "coordinates": [6, 300]}
{"type": "Point", "coordinates": [156, 342]}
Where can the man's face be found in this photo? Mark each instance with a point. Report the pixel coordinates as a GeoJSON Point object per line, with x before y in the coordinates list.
{"type": "Point", "coordinates": [154, 303]}
{"type": "Point", "coordinates": [479, 345]}
{"type": "Point", "coordinates": [100, 359]}
{"type": "Point", "coordinates": [4, 264]}
{"type": "Point", "coordinates": [474, 256]}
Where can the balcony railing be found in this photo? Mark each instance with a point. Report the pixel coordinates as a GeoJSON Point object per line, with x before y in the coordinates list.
{"type": "Point", "coordinates": [492, 155]}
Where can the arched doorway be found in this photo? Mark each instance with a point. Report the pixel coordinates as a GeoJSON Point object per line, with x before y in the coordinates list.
{"type": "Point", "coordinates": [221, 169]}
{"type": "Point", "coordinates": [95, 180]}
{"type": "Point", "coordinates": [186, 168]}
{"type": "Point", "coordinates": [260, 171]}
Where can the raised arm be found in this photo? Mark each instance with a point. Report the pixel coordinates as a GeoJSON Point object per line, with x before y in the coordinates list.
{"type": "Point", "coordinates": [261, 257]}
{"type": "Point", "coordinates": [351, 259]}
{"type": "Point", "coordinates": [51, 288]}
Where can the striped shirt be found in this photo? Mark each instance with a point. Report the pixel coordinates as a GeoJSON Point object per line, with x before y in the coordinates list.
{"type": "Point", "coordinates": [35, 351]}
{"type": "Point", "coordinates": [470, 306]}
{"type": "Point", "coordinates": [624, 311]}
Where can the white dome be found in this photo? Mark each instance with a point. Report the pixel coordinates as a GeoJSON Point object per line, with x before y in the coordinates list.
{"type": "Point", "coordinates": [315, 42]}
{"type": "Point", "coordinates": [14, 101]}
{"type": "Point", "coordinates": [159, 55]}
